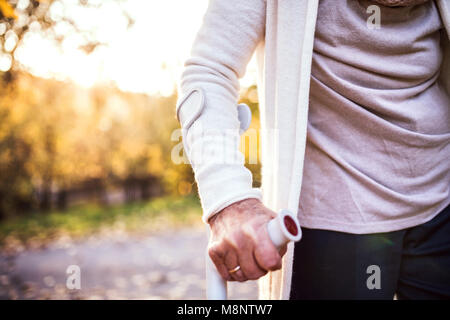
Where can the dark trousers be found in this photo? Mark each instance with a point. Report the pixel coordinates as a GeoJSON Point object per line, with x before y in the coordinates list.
{"type": "Point", "coordinates": [413, 263]}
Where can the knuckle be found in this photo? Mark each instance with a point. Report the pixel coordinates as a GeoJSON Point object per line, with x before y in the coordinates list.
{"type": "Point", "coordinates": [236, 240]}
{"type": "Point", "coordinates": [215, 252]}
{"type": "Point", "coordinates": [230, 242]}
{"type": "Point", "coordinates": [273, 263]}
{"type": "Point", "coordinates": [212, 251]}
{"type": "Point", "coordinates": [249, 233]}
{"type": "Point", "coordinates": [240, 276]}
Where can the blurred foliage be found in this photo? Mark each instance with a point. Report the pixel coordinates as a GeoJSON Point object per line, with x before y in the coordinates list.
{"type": "Point", "coordinates": [141, 217]}
{"type": "Point", "coordinates": [54, 135]}
{"type": "Point", "coordinates": [17, 17]}
{"type": "Point", "coordinates": [7, 10]}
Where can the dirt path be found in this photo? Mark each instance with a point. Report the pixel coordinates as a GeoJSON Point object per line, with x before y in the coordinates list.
{"type": "Point", "coordinates": [120, 266]}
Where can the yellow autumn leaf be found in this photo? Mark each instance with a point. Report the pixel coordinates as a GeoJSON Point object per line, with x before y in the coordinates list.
{"type": "Point", "coordinates": [7, 10]}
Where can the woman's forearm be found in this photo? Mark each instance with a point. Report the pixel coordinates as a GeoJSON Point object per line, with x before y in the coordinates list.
{"type": "Point", "coordinates": [223, 47]}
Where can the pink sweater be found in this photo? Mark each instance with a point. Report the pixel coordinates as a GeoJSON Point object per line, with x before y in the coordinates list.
{"type": "Point", "coordinates": [378, 144]}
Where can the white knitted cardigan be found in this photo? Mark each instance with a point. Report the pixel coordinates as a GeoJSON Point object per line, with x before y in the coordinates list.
{"type": "Point", "coordinates": [282, 33]}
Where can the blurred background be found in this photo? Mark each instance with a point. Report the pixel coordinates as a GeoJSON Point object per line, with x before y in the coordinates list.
{"type": "Point", "coordinates": [87, 129]}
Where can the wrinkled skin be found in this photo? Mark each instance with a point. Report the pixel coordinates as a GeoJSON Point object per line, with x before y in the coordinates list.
{"type": "Point", "coordinates": [240, 237]}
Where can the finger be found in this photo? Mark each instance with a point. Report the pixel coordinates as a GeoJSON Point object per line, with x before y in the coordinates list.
{"type": "Point", "coordinates": [240, 276]}
{"type": "Point", "coordinates": [250, 268]}
{"type": "Point", "coordinates": [217, 259]}
{"type": "Point", "coordinates": [248, 263]}
{"type": "Point", "coordinates": [231, 261]}
{"type": "Point", "coordinates": [266, 254]}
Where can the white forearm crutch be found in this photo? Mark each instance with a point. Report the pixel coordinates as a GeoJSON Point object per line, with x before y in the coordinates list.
{"type": "Point", "coordinates": [282, 229]}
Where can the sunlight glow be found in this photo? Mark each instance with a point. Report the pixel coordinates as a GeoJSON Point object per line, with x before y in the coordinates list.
{"type": "Point", "coordinates": [147, 57]}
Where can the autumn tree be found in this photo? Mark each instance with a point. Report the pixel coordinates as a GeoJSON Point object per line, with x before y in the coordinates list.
{"type": "Point", "coordinates": [31, 121]}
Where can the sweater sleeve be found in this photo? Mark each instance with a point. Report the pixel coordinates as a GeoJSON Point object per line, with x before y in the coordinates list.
{"type": "Point", "coordinates": [230, 32]}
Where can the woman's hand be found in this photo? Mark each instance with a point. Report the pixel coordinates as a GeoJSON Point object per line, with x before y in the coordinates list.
{"type": "Point", "coordinates": [240, 238]}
